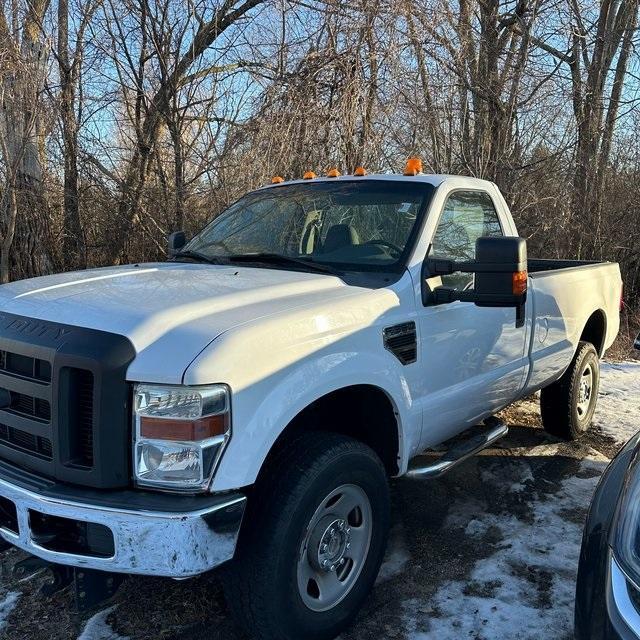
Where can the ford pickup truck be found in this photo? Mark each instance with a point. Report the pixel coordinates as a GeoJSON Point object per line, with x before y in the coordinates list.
{"type": "Point", "coordinates": [243, 404]}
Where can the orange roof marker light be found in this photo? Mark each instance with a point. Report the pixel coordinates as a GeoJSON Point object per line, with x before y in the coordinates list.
{"type": "Point", "coordinates": [413, 167]}
{"type": "Point", "coordinates": [277, 179]}
{"type": "Point", "coordinates": [309, 175]}
{"type": "Point", "coordinates": [360, 171]}
{"type": "Point", "coordinates": [333, 173]}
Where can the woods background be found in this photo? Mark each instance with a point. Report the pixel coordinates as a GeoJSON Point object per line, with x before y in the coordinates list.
{"type": "Point", "coordinates": [123, 121]}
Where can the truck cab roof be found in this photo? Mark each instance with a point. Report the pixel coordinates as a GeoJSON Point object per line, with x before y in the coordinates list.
{"type": "Point", "coordinates": [435, 179]}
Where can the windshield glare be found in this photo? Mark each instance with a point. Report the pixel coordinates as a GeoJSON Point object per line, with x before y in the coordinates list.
{"type": "Point", "coordinates": [366, 224]}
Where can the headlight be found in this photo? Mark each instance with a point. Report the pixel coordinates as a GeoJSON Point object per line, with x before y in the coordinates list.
{"type": "Point", "coordinates": [626, 540]}
{"type": "Point", "coordinates": [180, 433]}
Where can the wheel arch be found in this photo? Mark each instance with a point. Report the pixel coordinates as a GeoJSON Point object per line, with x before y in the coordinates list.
{"type": "Point", "coordinates": [365, 412]}
{"type": "Point", "coordinates": [595, 331]}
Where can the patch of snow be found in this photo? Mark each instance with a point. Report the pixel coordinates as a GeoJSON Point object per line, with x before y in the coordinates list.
{"type": "Point", "coordinates": [523, 591]}
{"type": "Point", "coordinates": [97, 627]}
{"type": "Point", "coordinates": [463, 513]}
{"type": "Point", "coordinates": [526, 479]}
{"type": "Point", "coordinates": [396, 558]}
{"type": "Point", "coordinates": [7, 605]}
{"type": "Point", "coordinates": [476, 528]}
{"type": "Point", "coordinates": [618, 411]}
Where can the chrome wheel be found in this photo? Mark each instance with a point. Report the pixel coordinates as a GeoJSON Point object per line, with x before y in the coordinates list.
{"type": "Point", "coordinates": [334, 548]}
{"type": "Point", "coordinates": [585, 391]}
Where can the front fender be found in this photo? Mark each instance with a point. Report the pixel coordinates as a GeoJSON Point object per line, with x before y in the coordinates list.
{"type": "Point", "coordinates": [267, 395]}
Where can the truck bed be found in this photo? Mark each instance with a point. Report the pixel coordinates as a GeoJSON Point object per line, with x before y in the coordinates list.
{"type": "Point", "coordinates": [563, 297]}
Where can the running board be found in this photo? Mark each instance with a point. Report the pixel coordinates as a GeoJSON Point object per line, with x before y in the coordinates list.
{"type": "Point", "coordinates": [460, 451]}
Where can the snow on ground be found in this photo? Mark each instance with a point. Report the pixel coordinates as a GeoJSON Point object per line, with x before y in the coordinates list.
{"type": "Point", "coordinates": [530, 577]}
{"type": "Point", "coordinates": [97, 627]}
{"type": "Point", "coordinates": [618, 410]}
{"type": "Point", "coordinates": [525, 589]}
{"type": "Point", "coordinates": [6, 606]}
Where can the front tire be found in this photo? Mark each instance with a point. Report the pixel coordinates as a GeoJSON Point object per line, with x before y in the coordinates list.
{"type": "Point", "coordinates": [567, 405]}
{"type": "Point", "coordinates": [313, 540]}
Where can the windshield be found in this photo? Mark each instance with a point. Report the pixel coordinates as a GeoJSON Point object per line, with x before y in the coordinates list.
{"type": "Point", "coordinates": [361, 225]}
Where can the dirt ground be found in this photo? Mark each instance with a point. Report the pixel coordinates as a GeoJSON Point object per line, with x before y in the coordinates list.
{"type": "Point", "coordinates": [487, 552]}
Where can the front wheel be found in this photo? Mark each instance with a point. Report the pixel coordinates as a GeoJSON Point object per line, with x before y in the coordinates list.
{"type": "Point", "coordinates": [313, 540]}
{"type": "Point", "coordinates": [567, 406]}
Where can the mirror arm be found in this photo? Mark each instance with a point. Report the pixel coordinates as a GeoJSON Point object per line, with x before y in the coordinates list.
{"type": "Point", "coordinates": [444, 295]}
{"type": "Point", "coordinates": [444, 267]}
{"type": "Point", "coordinates": [520, 316]}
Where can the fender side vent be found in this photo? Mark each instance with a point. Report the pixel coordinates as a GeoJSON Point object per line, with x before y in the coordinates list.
{"type": "Point", "coordinates": [402, 342]}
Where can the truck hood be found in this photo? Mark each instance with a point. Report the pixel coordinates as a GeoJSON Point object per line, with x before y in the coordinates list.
{"type": "Point", "coordinates": [169, 311]}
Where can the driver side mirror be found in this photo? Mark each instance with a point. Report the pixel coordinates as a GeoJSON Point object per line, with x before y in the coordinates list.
{"type": "Point", "coordinates": [177, 240]}
{"type": "Point", "coordinates": [500, 270]}
{"type": "Point", "coordinates": [636, 344]}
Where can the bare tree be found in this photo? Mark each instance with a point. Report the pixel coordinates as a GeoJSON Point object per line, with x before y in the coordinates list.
{"type": "Point", "coordinates": [597, 55]}
{"type": "Point", "coordinates": [150, 109]}
{"type": "Point", "coordinates": [156, 114]}
{"type": "Point", "coordinates": [70, 60]}
{"type": "Point", "coordinates": [21, 87]}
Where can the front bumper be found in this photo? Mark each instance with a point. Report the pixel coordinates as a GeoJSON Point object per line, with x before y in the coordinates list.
{"type": "Point", "coordinates": [124, 532]}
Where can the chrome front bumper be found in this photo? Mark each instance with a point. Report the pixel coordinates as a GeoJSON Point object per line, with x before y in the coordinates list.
{"type": "Point", "coordinates": [175, 544]}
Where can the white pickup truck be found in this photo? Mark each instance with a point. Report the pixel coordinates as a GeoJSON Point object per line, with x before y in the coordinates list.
{"type": "Point", "coordinates": [248, 400]}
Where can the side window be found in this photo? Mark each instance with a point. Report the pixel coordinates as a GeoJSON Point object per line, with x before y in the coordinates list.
{"type": "Point", "coordinates": [467, 216]}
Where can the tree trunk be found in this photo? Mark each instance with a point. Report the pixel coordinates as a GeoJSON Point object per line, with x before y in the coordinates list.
{"type": "Point", "coordinates": [73, 242]}
{"type": "Point", "coordinates": [178, 167]}
{"type": "Point", "coordinates": [9, 234]}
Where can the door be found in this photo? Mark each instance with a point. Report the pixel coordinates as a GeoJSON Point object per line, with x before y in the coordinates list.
{"type": "Point", "coordinates": [473, 358]}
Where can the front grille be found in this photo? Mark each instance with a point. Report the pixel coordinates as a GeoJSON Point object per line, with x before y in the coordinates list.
{"type": "Point", "coordinates": [27, 442]}
{"type": "Point", "coordinates": [16, 364]}
{"type": "Point", "coordinates": [45, 448]}
{"type": "Point", "coordinates": [30, 406]}
{"type": "Point", "coordinates": [25, 419]}
{"type": "Point", "coordinates": [26, 422]}
{"type": "Point", "coordinates": [65, 401]}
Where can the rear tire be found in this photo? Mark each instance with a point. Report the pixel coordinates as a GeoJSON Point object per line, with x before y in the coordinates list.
{"type": "Point", "coordinates": [567, 405]}
{"type": "Point", "coordinates": [312, 542]}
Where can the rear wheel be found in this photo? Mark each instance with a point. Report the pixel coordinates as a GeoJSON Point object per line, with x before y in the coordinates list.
{"type": "Point", "coordinates": [567, 405]}
{"type": "Point", "coordinates": [313, 540]}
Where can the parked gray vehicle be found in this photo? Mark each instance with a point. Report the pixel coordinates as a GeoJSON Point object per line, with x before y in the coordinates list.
{"type": "Point", "coordinates": [608, 586]}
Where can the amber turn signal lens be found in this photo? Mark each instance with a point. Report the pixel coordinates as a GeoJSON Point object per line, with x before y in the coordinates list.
{"type": "Point", "coordinates": [360, 171]}
{"type": "Point", "coordinates": [413, 167]}
{"type": "Point", "coordinates": [519, 283]}
{"type": "Point", "coordinates": [333, 173]}
{"type": "Point", "coordinates": [277, 179]}
{"type": "Point", "coordinates": [184, 430]}
{"type": "Point", "coordinates": [309, 175]}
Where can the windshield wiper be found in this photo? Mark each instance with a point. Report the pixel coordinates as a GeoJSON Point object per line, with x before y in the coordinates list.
{"type": "Point", "coordinates": [198, 257]}
{"type": "Point", "coordinates": [279, 259]}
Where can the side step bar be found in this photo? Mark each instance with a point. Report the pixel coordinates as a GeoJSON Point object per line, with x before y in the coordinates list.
{"type": "Point", "coordinates": [460, 451]}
